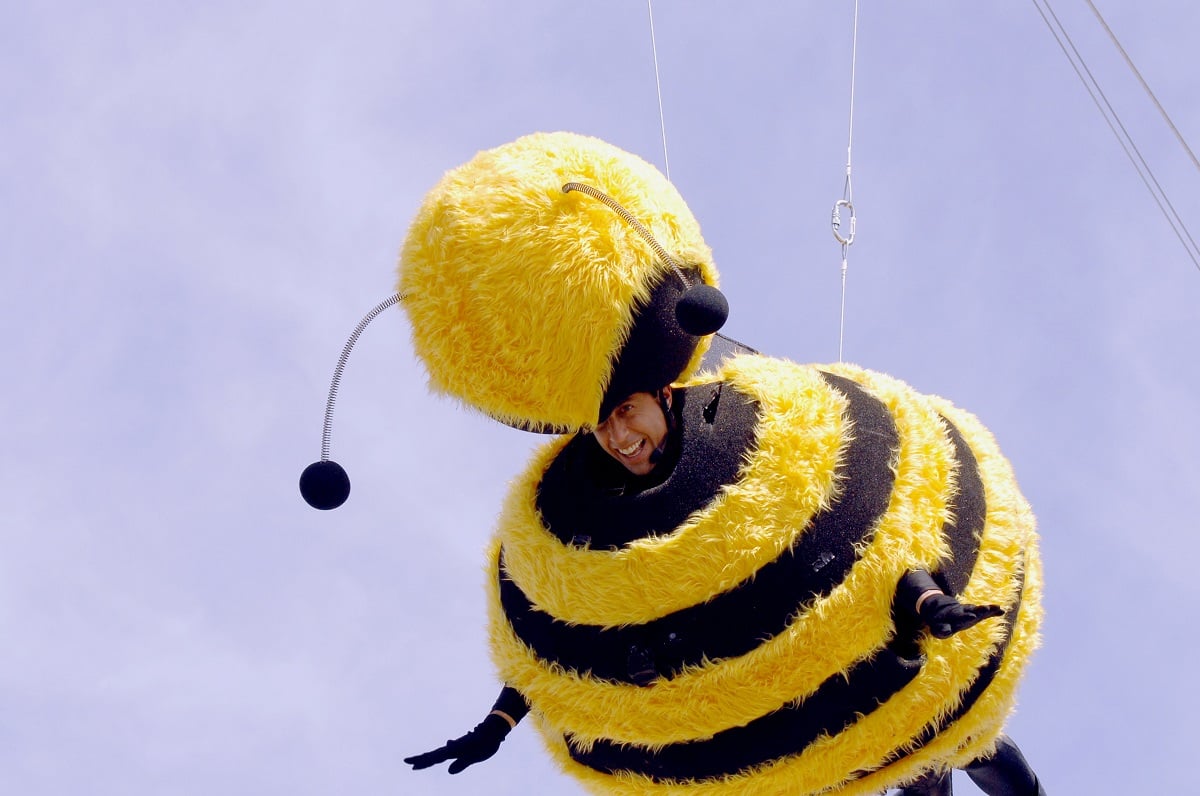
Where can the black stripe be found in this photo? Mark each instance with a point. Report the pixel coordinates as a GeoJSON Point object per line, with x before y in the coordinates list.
{"type": "Point", "coordinates": [739, 620]}
{"type": "Point", "coordinates": [962, 531]}
{"type": "Point", "coordinates": [834, 707]}
{"type": "Point", "coordinates": [968, 515]}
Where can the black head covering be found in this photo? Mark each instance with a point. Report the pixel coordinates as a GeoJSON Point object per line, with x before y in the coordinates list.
{"type": "Point", "coordinates": [665, 333]}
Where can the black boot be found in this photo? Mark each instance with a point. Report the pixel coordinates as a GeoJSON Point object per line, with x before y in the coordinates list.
{"type": "Point", "coordinates": [933, 783]}
{"type": "Point", "coordinates": [1005, 772]}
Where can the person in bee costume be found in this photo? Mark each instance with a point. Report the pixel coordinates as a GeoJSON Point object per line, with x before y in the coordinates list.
{"type": "Point", "coordinates": [796, 580]}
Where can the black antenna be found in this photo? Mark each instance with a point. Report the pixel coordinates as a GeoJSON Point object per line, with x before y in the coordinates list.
{"type": "Point", "coordinates": [324, 483]}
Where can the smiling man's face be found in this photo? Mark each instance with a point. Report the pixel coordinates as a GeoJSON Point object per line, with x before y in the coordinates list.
{"type": "Point", "coordinates": [634, 430]}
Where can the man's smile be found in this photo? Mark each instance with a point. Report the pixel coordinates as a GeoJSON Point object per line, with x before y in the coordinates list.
{"type": "Point", "coordinates": [631, 449]}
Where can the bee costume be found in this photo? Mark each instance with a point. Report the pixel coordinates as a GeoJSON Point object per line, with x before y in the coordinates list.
{"type": "Point", "coordinates": [734, 626]}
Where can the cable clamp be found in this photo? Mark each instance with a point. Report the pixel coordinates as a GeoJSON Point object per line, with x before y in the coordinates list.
{"type": "Point", "coordinates": [836, 221]}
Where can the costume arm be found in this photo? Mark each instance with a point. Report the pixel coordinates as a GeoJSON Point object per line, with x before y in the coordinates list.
{"type": "Point", "coordinates": [919, 595]}
{"type": "Point", "coordinates": [483, 741]}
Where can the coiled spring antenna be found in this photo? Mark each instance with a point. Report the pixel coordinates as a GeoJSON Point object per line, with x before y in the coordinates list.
{"type": "Point", "coordinates": [327, 429]}
{"type": "Point", "coordinates": [702, 309]}
{"type": "Point", "coordinates": [631, 220]}
{"type": "Point", "coordinates": [324, 483]}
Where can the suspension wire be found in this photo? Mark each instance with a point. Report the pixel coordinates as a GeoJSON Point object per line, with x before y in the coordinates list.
{"type": "Point", "coordinates": [662, 120]}
{"type": "Point", "coordinates": [1118, 128]}
{"type": "Point", "coordinates": [1145, 85]}
{"type": "Point", "coordinates": [847, 200]}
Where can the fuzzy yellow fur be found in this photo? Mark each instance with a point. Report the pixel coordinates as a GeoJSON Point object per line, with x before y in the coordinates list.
{"type": "Point", "coordinates": [837, 632]}
{"type": "Point", "coordinates": [519, 293]}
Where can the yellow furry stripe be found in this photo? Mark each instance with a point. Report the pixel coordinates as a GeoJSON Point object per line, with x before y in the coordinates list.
{"type": "Point", "coordinates": [849, 624]}
{"type": "Point", "coordinates": [785, 482]}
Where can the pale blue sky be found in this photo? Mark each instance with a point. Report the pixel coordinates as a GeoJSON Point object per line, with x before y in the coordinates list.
{"type": "Point", "coordinates": [201, 201]}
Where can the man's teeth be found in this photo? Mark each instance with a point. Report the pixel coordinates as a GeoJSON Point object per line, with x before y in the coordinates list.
{"type": "Point", "coordinates": [632, 449]}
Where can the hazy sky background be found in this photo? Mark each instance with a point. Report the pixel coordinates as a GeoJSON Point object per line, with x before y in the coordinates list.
{"type": "Point", "coordinates": [200, 201]}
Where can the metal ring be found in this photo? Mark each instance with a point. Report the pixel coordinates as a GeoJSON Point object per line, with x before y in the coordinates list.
{"type": "Point", "coordinates": [836, 222]}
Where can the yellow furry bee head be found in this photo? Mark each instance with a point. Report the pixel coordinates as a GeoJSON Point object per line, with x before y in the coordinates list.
{"type": "Point", "coordinates": [527, 270]}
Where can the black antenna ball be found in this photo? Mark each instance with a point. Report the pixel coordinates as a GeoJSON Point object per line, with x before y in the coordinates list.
{"type": "Point", "coordinates": [324, 485]}
{"type": "Point", "coordinates": [702, 310]}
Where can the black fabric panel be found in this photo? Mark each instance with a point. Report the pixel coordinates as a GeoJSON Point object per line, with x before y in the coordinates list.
{"type": "Point", "coordinates": [586, 497]}
{"type": "Point", "coordinates": [739, 620]}
{"type": "Point", "coordinates": [969, 512]}
{"type": "Point", "coordinates": [833, 707]}
{"type": "Point", "coordinates": [656, 350]}
{"type": "Point", "coordinates": [720, 349]}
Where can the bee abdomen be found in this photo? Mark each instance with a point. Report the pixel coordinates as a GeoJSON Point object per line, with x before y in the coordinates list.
{"type": "Point", "coordinates": [741, 619]}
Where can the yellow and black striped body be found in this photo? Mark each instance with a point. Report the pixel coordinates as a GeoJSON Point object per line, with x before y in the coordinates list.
{"type": "Point", "coordinates": [760, 578]}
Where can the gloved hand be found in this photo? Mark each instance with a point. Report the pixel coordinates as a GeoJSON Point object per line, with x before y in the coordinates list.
{"type": "Point", "coordinates": [946, 616]}
{"type": "Point", "coordinates": [477, 745]}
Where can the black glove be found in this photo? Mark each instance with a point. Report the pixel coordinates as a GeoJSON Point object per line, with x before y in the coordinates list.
{"type": "Point", "coordinates": [477, 745]}
{"type": "Point", "coordinates": [946, 616]}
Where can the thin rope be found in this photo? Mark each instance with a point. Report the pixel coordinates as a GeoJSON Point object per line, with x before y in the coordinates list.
{"type": "Point", "coordinates": [1123, 137]}
{"type": "Point", "coordinates": [850, 126]}
{"type": "Point", "coordinates": [847, 200]}
{"type": "Point", "coordinates": [1145, 85]}
{"type": "Point", "coordinates": [662, 119]}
